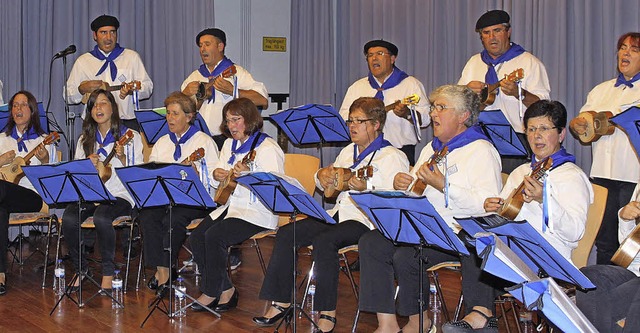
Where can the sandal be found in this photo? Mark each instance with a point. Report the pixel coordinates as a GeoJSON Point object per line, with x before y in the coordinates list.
{"type": "Point", "coordinates": [460, 326]}
{"type": "Point", "coordinates": [329, 318]}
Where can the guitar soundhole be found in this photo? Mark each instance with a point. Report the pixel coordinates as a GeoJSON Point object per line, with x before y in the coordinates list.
{"type": "Point", "coordinates": [14, 168]}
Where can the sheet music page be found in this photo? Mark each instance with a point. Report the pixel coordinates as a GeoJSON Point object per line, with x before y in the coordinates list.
{"type": "Point", "coordinates": [560, 298]}
{"type": "Point", "coordinates": [506, 255]}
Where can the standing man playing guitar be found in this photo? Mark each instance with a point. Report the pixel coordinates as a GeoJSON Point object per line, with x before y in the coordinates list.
{"type": "Point", "coordinates": [615, 163]}
{"type": "Point", "coordinates": [389, 84]}
{"type": "Point", "coordinates": [108, 65]}
{"type": "Point", "coordinates": [21, 136]}
{"type": "Point", "coordinates": [500, 58]}
{"type": "Point", "coordinates": [218, 80]}
{"type": "Point", "coordinates": [562, 224]}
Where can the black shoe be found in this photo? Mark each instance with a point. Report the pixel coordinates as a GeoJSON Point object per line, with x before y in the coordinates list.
{"type": "Point", "coordinates": [329, 318]}
{"type": "Point", "coordinates": [153, 281]}
{"type": "Point", "coordinates": [3, 289]}
{"type": "Point", "coordinates": [73, 289]}
{"type": "Point", "coordinates": [265, 322]}
{"type": "Point", "coordinates": [233, 302]}
{"type": "Point", "coordinates": [200, 308]}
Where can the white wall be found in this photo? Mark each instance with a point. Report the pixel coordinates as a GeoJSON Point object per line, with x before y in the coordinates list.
{"type": "Point", "coordinates": [245, 22]}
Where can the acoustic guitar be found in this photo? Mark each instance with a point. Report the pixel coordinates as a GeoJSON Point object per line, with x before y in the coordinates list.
{"type": "Point", "coordinates": [419, 186]}
{"type": "Point", "coordinates": [133, 85]}
{"type": "Point", "coordinates": [12, 172]}
{"type": "Point", "coordinates": [104, 168]}
{"type": "Point", "coordinates": [489, 92]}
{"type": "Point", "coordinates": [514, 202]}
{"type": "Point", "coordinates": [409, 100]}
{"type": "Point", "coordinates": [228, 184]}
{"type": "Point", "coordinates": [598, 124]}
{"type": "Point", "coordinates": [629, 249]}
{"type": "Point", "coordinates": [341, 179]}
{"type": "Point", "coordinates": [204, 89]}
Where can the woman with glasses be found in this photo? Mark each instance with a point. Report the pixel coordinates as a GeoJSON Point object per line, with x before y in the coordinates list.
{"type": "Point", "coordinates": [567, 198]}
{"type": "Point", "coordinates": [21, 135]}
{"type": "Point", "coordinates": [243, 215]}
{"type": "Point", "coordinates": [455, 184]}
{"type": "Point", "coordinates": [368, 149]}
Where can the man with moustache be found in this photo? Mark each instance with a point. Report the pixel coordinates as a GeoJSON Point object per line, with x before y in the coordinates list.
{"type": "Point", "coordinates": [501, 57]}
{"type": "Point", "coordinates": [109, 63]}
{"type": "Point", "coordinates": [388, 83]}
{"type": "Point", "coordinates": [225, 85]}
{"type": "Point", "coordinates": [615, 163]}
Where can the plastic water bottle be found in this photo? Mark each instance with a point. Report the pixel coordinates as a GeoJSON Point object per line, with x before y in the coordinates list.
{"type": "Point", "coordinates": [181, 299]}
{"type": "Point", "coordinates": [311, 295]}
{"type": "Point", "coordinates": [526, 321]}
{"type": "Point", "coordinates": [59, 283]}
{"type": "Point", "coordinates": [116, 290]}
{"type": "Point", "coordinates": [435, 306]}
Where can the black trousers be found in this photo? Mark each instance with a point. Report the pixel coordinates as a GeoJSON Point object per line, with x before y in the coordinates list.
{"type": "Point", "coordinates": [210, 242]}
{"type": "Point", "coordinates": [619, 194]}
{"type": "Point", "coordinates": [617, 297]}
{"type": "Point", "coordinates": [155, 223]}
{"type": "Point", "coordinates": [381, 262]}
{"type": "Point", "coordinates": [326, 239]}
{"type": "Point", "coordinates": [103, 216]}
{"type": "Point", "coordinates": [14, 199]}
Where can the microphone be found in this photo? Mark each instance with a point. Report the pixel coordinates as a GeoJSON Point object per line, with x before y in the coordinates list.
{"type": "Point", "coordinates": [69, 50]}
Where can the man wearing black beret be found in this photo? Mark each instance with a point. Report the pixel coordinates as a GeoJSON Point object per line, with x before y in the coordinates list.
{"type": "Point", "coordinates": [109, 64]}
{"type": "Point", "coordinates": [390, 84]}
{"type": "Point", "coordinates": [500, 58]}
{"type": "Point", "coordinates": [218, 80]}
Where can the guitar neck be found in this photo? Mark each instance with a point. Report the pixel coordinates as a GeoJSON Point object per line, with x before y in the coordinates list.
{"type": "Point", "coordinates": [31, 153]}
{"type": "Point", "coordinates": [110, 156]}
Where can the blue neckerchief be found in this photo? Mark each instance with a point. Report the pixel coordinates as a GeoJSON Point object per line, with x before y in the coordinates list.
{"type": "Point", "coordinates": [559, 158]}
{"type": "Point", "coordinates": [629, 83]}
{"type": "Point", "coordinates": [108, 60]}
{"type": "Point", "coordinates": [30, 134]}
{"type": "Point", "coordinates": [492, 77]}
{"type": "Point", "coordinates": [375, 145]}
{"type": "Point", "coordinates": [252, 141]}
{"type": "Point", "coordinates": [469, 135]}
{"type": "Point", "coordinates": [109, 139]}
{"type": "Point", "coordinates": [394, 79]}
{"type": "Point", "coordinates": [174, 138]}
{"type": "Point", "coordinates": [221, 67]}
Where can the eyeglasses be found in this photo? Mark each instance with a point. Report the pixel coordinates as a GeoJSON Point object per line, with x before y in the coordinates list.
{"type": "Point", "coordinates": [541, 129]}
{"type": "Point", "coordinates": [439, 107]}
{"type": "Point", "coordinates": [356, 121]}
{"type": "Point", "coordinates": [233, 120]}
{"type": "Point", "coordinates": [19, 105]}
{"type": "Point", "coordinates": [379, 54]}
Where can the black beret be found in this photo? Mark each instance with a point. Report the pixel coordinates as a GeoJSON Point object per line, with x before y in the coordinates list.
{"type": "Point", "coordinates": [215, 32]}
{"type": "Point", "coordinates": [492, 17]}
{"type": "Point", "coordinates": [381, 43]}
{"type": "Point", "coordinates": [104, 21]}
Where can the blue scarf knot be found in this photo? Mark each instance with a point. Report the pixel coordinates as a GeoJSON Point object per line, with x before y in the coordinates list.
{"type": "Point", "coordinates": [252, 141]}
{"type": "Point", "coordinates": [221, 67]}
{"type": "Point", "coordinates": [469, 135]}
{"type": "Point", "coordinates": [559, 158]}
{"type": "Point", "coordinates": [394, 79]}
{"type": "Point", "coordinates": [629, 83]}
{"type": "Point", "coordinates": [174, 138]}
{"type": "Point", "coordinates": [375, 145]}
{"type": "Point", "coordinates": [491, 76]}
{"type": "Point", "coordinates": [109, 60]}
{"type": "Point", "coordinates": [30, 134]}
{"type": "Point", "coordinates": [109, 139]}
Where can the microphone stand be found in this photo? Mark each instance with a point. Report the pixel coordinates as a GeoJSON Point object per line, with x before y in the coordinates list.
{"type": "Point", "coordinates": [71, 116]}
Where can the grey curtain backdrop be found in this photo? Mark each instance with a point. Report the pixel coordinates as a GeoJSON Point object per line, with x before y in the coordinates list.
{"type": "Point", "coordinates": [575, 39]}
{"type": "Point", "coordinates": [161, 31]}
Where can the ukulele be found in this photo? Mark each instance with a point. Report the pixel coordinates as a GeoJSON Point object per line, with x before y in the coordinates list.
{"type": "Point", "coordinates": [133, 85]}
{"type": "Point", "coordinates": [409, 100]}
{"type": "Point", "coordinates": [489, 92]}
{"type": "Point", "coordinates": [629, 249]}
{"type": "Point", "coordinates": [204, 89]}
{"type": "Point", "coordinates": [228, 184]}
{"type": "Point", "coordinates": [342, 176]}
{"type": "Point", "coordinates": [12, 172]}
{"type": "Point", "coordinates": [104, 168]}
{"type": "Point", "coordinates": [514, 202]}
{"type": "Point", "coordinates": [197, 155]}
{"type": "Point", "coordinates": [419, 186]}
{"type": "Point", "coordinates": [598, 124]}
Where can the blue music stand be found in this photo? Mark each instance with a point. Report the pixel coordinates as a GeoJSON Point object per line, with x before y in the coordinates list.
{"type": "Point", "coordinates": [280, 196]}
{"type": "Point", "coordinates": [5, 113]}
{"type": "Point", "coordinates": [71, 182]}
{"type": "Point", "coordinates": [153, 123]}
{"type": "Point", "coordinates": [629, 121]}
{"type": "Point", "coordinates": [165, 184]}
{"type": "Point", "coordinates": [496, 126]}
{"type": "Point", "coordinates": [407, 219]}
{"type": "Point", "coordinates": [529, 246]}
